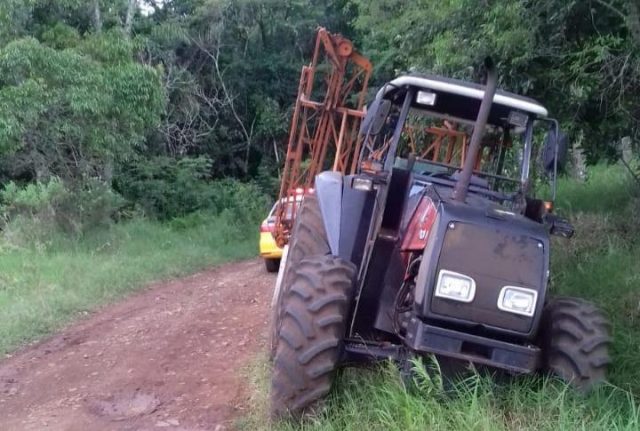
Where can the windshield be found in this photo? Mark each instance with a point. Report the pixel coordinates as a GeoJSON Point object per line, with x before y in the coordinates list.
{"type": "Point", "coordinates": [440, 147]}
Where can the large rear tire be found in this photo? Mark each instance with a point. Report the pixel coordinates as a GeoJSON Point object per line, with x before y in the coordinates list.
{"type": "Point", "coordinates": [575, 340]}
{"type": "Point", "coordinates": [313, 323]}
{"type": "Point", "coordinates": [308, 238]}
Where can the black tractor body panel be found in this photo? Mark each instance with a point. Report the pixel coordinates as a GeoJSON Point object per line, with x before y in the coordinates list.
{"type": "Point", "coordinates": [512, 357]}
{"type": "Point", "coordinates": [496, 249]}
{"type": "Point", "coordinates": [357, 215]}
{"type": "Point", "coordinates": [347, 214]}
{"type": "Point", "coordinates": [479, 239]}
{"type": "Point", "coordinates": [374, 297]}
{"type": "Point", "coordinates": [381, 278]}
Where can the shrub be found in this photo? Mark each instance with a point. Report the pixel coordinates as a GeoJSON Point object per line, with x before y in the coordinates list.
{"type": "Point", "coordinates": [166, 189]}
{"type": "Point", "coordinates": [88, 205]}
{"type": "Point", "coordinates": [35, 199]}
{"type": "Point", "coordinates": [243, 202]}
{"type": "Point", "coordinates": [33, 211]}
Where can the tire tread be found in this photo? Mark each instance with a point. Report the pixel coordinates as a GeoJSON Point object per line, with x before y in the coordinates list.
{"type": "Point", "coordinates": [575, 339]}
{"type": "Point", "coordinates": [303, 372]}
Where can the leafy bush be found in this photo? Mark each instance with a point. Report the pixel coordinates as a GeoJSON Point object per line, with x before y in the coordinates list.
{"type": "Point", "coordinates": [33, 211]}
{"type": "Point", "coordinates": [165, 188]}
{"type": "Point", "coordinates": [32, 199]}
{"type": "Point", "coordinates": [243, 202]}
{"type": "Point", "coordinates": [71, 112]}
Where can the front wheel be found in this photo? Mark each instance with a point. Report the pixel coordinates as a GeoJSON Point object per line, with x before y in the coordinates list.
{"type": "Point", "coordinates": [575, 340]}
{"type": "Point", "coordinates": [307, 239]}
{"type": "Point", "coordinates": [314, 313]}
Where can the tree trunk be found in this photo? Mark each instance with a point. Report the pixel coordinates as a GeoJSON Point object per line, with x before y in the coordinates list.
{"type": "Point", "coordinates": [626, 148]}
{"type": "Point", "coordinates": [633, 20]}
{"type": "Point", "coordinates": [97, 16]}
{"type": "Point", "coordinates": [128, 22]}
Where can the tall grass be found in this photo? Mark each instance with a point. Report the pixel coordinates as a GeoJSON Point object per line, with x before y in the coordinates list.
{"type": "Point", "coordinates": [601, 263]}
{"type": "Point", "coordinates": [42, 286]}
{"type": "Point", "coordinates": [378, 399]}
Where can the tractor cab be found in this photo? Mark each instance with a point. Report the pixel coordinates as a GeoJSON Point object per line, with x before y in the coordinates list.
{"type": "Point", "coordinates": [434, 136]}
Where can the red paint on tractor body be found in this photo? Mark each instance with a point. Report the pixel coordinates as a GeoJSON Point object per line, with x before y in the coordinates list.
{"type": "Point", "coordinates": [420, 226]}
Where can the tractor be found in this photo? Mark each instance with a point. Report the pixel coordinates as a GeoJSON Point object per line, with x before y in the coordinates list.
{"type": "Point", "coordinates": [433, 245]}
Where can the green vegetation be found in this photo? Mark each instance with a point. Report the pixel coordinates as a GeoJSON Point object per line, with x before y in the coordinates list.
{"type": "Point", "coordinates": [61, 254]}
{"type": "Point", "coordinates": [379, 400]}
{"type": "Point", "coordinates": [599, 263]}
{"type": "Point", "coordinates": [120, 131]}
{"type": "Point", "coordinates": [580, 58]}
{"type": "Point", "coordinates": [54, 281]}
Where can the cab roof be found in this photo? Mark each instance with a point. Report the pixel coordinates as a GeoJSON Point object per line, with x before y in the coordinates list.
{"type": "Point", "coordinates": [461, 99]}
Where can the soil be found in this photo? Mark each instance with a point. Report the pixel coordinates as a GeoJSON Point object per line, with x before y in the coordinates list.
{"type": "Point", "coordinates": [170, 357]}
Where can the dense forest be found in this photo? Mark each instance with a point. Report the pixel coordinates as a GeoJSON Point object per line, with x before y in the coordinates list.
{"type": "Point", "coordinates": [111, 108]}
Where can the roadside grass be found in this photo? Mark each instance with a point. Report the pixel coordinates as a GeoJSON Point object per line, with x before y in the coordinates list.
{"type": "Point", "coordinates": [378, 399]}
{"type": "Point", "coordinates": [44, 286]}
{"type": "Point", "coordinates": [601, 263]}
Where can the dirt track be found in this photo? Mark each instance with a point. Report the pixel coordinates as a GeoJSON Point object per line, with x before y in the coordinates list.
{"type": "Point", "coordinates": [167, 358]}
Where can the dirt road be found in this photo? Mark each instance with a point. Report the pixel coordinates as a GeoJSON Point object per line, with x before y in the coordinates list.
{"type": "Point", "coordinates": [167, 358]}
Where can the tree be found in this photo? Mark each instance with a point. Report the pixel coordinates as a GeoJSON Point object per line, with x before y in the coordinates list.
{"type": "Point", "coordinates": [132, 7]}
{"type": "Point", "coordinates": [581, 59]}
{"type": "Point", "coordinates": [69, 112]}
{"type": "Point", "coordinates": [97, 16]}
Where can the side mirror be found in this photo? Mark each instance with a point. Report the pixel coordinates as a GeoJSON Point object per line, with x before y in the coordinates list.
{"type": "Point", "coordinates": [554, 137]}
{"type": "Point", "coordinates": [376, 117]}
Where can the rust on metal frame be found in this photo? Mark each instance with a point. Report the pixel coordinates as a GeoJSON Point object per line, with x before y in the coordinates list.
{"type": "Point", "coordinates": [325, 122]}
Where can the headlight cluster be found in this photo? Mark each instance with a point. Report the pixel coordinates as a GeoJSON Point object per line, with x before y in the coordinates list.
{"type": "Point", "coordinates": [462, 288]}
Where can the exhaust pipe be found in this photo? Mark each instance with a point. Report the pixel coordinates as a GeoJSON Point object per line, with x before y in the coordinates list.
{"type": "Point", "coordinates": [462, 186]}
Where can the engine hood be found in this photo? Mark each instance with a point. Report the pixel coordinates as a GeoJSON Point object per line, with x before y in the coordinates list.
{"type": "Point", "coordinates": [496, 248]}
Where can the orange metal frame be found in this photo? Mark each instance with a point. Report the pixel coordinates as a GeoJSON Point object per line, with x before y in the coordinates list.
{"type": "Point", "coordinates": [325, 123]}
{"type": "Point", "coordinates": [445, 145]}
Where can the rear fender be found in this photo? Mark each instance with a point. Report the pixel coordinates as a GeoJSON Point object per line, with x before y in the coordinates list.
{"type": "Point", "coordinates": [346, 213]}
{"type": "Point", "coordinates": [329, 193]}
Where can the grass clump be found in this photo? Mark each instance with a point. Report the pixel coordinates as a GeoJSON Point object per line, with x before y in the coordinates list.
{"type": "Point", "coordinates": [602, 261]}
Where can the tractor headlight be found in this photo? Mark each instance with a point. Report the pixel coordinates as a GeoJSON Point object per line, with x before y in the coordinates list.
{"type": "Point", "coordinates": [426, 98]}
{"type": "Point", "coordinates": [452, 285]}
{"type": "Point", "coordinates": [518, 300]}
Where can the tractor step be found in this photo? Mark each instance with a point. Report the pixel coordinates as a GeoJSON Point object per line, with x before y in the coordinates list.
{"type": "Point", "coordinates": [473, 348]}
{"type": "Point", "coordinates": [357, 352]}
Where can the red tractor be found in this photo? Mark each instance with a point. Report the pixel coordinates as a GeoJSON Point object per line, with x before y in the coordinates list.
{"type": "Point", "coordinates": [433, 245]}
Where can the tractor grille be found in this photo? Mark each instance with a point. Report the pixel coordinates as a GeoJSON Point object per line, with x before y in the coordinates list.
{"type": "Point", "coordinates": [494, 257]}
